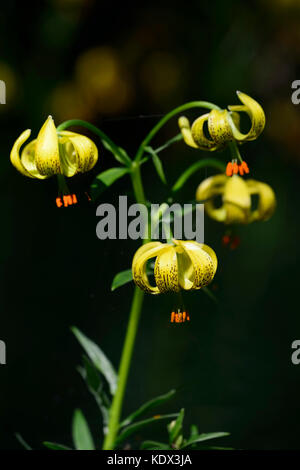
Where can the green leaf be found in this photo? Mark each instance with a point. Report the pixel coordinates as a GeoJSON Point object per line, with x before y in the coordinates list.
{"type": "Point", "coordinates": [194, 431]}
{"type": "Point", "coordinates": [149, 405]}
{"type": "Point", "coordinates": [82, 437]}
{"type": "Point", "coordinates": [204, 437]}
{"type": "Point", "coordinates": [208, 162]}
{"type": "Point", "coordinates": [209, 293]}
{"type": "Point", "coordinates": [157, 163]}
{"type": "Point", "coordinates": [95, 386]}
{"type": "Point", "coordinates": [98, 358]}
{"type": "Point", "coordinates": [106, 179]}
{"type": "Point", "coordinates": [55, 446]}
{"type": "Point", "coordinates": [169, 142]}
{"type": "Point", "coordinates": [154, 445]}
{"type": "Point", "coordinates": [175, 427]}
{"type": "Point", "coordinates": [121, 278]}
{"type": "Point", "coordinates": [118, 152]}
{"type": "Point", "coordinates": [141, 424]}
{"type": "Point", "coordinates": [22, 441]}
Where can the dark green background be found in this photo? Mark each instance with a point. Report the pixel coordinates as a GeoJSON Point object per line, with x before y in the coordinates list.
{"type": "Point", "coordinates": [232, 363]}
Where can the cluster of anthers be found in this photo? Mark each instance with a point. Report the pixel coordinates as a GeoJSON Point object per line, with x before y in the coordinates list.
{"type": "Point", "coordinates": [233, 168]}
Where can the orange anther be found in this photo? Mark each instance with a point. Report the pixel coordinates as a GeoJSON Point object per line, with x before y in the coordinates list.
{"type": "Point", "coordinates": [74, 199]}
{"type": "Point", "coordinates": [183, 316]}
{"type": "Point", "coordinates": [226, 239]}
{"type": "Point", "coordinates": [187, 317]}
{"type": "Point", "coordinates": [58, 202]}
{"type": "Point", "coordinates": [235, 168]}
{"type": "Point", "coordinates": [241, 170]}
{"type": "Point", "coordinates": [229, 169]}
{"type": "Point", "coordinates": [172, 317]}
{"type": "Point", "coordinates": [67, 200]}
{"type": "Point", "coordinates": [235, 243]}
{"type": "Point", "coordinates": [245, 167]}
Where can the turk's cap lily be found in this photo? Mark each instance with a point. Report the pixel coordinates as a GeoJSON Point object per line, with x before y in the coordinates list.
{"type": "Point", "coordinates": [223, 126]}
{"type": "Point", "coordinates": [53, 153]}
{"type": "Point", "coordinates": [186, 265]}
{"type": "Point", "coordinates": [236, 194]}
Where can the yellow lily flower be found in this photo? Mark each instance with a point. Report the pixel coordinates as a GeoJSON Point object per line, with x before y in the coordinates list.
{"type": "Point", "coordinates": [223, 126]}
{"type": "Point", "coordinates": [53, 153]}
{"type": "Point", "coordinates": [62, 153]}
{"type": "Point", "coordinates": [186, 265]}
{"type": "Point", "coordinates": [236, 195]}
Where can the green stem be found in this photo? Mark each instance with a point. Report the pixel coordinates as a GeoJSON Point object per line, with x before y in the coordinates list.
{"type": "Point", "coordinates": [235, 151]}
{"type": "Point", "coordinates": [166, 118]}
{"type": "Point", "coordinates": [135, 312]}
{"type": "Point", "coordinates": [116, 407]}
{"type": "Point", "coordinates": [105, 139]}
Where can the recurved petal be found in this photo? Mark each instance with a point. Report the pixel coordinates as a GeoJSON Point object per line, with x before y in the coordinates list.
{"type": "Point", "coordinates": [198, 133]}
{"type": "Point", "coordinates": [219, 127]}
{"type": "Point", "coordinates": [46, 151]}
{"type": "Point", "coordinates": [68, 156]}
{"type": "Point", "coordinates": [196, 266]}
{"type": "Point", "coordinates": [15, 153]}
{"type": "Point", "coordinates": [266, 201]}
{"type": "Point", "coordinates": [139, 265]}
{"type": "Point", "coordinates": [86, 151]}
{"type": "Point", "coordinates": [207, 192]}
{"type": "Point", "coordinates": [166, 270]}
{"type": "Point", "coordinates": [185, 128]}
{"type": "Point", "coordinates": [256, 114]}
{"type": "Point", "coordinates": [237, 200]}
{"type": "Point", "coordinates": [28, 160]}
{"type": "Point", "coordinates": [213, 256]}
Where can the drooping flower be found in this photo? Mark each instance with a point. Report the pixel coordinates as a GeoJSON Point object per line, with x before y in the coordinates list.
{"type": "Point", "coordinates": [236, 194]}
{"type": "Point", "coordinates": [223, 126]}
{"type": "Point", "coordinates": [62, 153]}
{"type": "Point", "coordinates": [186, 265]}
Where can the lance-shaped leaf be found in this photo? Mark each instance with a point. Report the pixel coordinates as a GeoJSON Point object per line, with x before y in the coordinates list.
{"type": "Point", "coordinates": [98, 358]}
{"type": "Point", "coordinates": [175, 427]}
{"type": "Point", "coordinates": [118, 152]}
{"type": "Point", "coordinates": [106, 179]}
{"type": "Point", "coordinates": [121, 278]}
{"type": "Point", "coordinates": [177, 138]}
{"type": "Point", "coordinates": [149, 405]}
{"type": "Point", "coordinates": [154, 445]}
{"type": "Point", "coordinates": [82, 436]}
{"type": "Point", "coordinates": [56, 446]}
{"type": "Point", "coordinates": [157, 163]}
{"type": "Point", "coordinates": [208, 162]}
{"type": "Point", "coordinates": [132, 428]}
{"type": "Point", "coordinates": [204, 437]}
{"type": "Point", "coordinates": [91, 376]}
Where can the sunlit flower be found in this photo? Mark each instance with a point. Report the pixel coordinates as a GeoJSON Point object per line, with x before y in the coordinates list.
{"type": "Point", "coordinates": [61, 153]}
{"type": "Point", "coordinates": [223, 126]}
{"type": "Point", "coordinates": [186, 265]}
{"type": "Point", "coordinates": [236, 194]}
